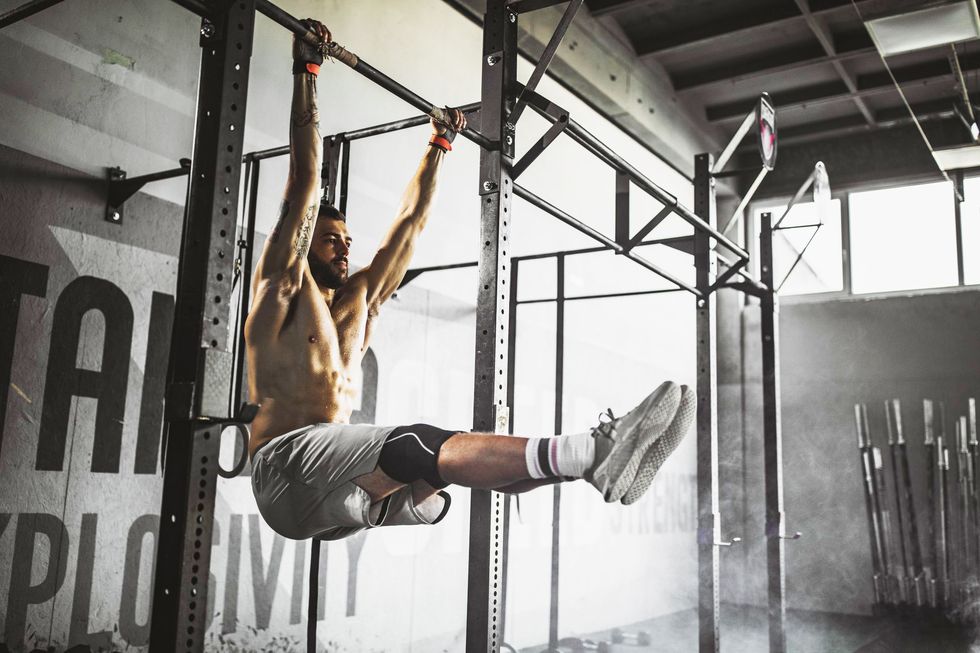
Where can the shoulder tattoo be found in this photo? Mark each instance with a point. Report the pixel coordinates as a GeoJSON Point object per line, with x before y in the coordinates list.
{"type": "Point", "coordinates": [305, 231]}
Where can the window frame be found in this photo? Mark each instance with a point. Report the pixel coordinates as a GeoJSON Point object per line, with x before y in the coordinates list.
{"type": "Point", "coordinates": [958, 178]}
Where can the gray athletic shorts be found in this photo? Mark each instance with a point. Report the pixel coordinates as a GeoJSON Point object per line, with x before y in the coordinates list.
{"type": "Point", "coordinates": [303, 484]}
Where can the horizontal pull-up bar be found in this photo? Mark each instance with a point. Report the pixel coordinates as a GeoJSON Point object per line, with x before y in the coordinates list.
{"type": "Point", "coordinates": [610, 295]}
{"type": "Point", "coordinates": [669, 242]}
{"type": "Point", "coordinates": [583, 137]}
{"type": "Point", "coordinates": [397, 125]}
{"type": "Point", "coordinates": [351, 60]}
{"type": "Point", "coordinates": [375, 130]}
{"type": "Point", "coordinates": [554, 211]}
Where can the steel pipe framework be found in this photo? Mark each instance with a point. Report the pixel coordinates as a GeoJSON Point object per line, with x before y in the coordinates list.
{"type": "Point", "coordinates": [205, 368]}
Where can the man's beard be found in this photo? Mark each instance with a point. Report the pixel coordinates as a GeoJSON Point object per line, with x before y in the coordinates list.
{"type": "Point", "coordinates": [327, 274]}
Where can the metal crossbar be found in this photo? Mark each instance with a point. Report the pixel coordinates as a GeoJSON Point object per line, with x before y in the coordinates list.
{"type": "Point", "coordinates": [583, 137]}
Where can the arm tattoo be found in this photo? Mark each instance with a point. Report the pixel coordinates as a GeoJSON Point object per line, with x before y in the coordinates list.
{"type": "Point", "coordinates": [310, 113]}
{"type": "Point", "coordinates": [283, 210]}
{"type": "Point", "coordinates": [305, 231]}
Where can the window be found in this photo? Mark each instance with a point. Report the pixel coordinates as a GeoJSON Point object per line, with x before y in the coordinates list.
{"type": "Point", "coordinates": [820, 269]}
{"type": "Point", "coordinates": [903, 238]}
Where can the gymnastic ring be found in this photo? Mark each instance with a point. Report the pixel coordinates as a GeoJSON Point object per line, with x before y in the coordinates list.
{"type": "Point", "coordinates": [240, 465]}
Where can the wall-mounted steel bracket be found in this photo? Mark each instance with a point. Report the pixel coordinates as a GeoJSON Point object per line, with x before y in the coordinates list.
{"type": "Point", "coordinates": [121, 188]}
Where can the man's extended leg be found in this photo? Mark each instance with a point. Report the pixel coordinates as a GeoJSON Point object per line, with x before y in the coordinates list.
{"type": "Point", "coordinates": [608, 457]}
{"type": "Point", "coordinates": [476, 460]}
{"type": "Point", "coordinates": [378, 485]}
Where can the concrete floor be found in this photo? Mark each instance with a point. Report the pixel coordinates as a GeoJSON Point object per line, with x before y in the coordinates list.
{"type": "Point", "coordinates": [745, 630]}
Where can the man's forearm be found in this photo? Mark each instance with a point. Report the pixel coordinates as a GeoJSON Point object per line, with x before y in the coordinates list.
{"type": "Point", "coordinates": [306, 144]}
{"type": "Point", "coordinates": [420, 193]}
{"type": "Point", "coordinates": [297, 213]}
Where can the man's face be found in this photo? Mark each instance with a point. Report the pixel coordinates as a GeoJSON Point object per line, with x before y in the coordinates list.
{"type": "Point", "coordinates": [328, 252]}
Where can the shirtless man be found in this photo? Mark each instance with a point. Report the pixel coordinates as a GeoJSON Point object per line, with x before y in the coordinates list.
{"type": "Point", "coordinates": [316, 475]}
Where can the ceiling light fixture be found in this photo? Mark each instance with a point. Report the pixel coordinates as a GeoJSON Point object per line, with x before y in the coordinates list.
{"type": "Point", "coordinates": [957, 158]}
{"type": "Point", "coordinates": [946, 23]}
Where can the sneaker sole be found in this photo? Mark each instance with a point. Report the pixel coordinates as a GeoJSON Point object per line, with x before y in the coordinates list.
{"type": "Point", "coordinates": [623, 461]}
{"type": "Point", "coordinates": [665, 445]}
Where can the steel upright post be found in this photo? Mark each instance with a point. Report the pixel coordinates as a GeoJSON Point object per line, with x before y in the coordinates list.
{"type": "Point", "coordinates": [772, 442]}
{"type": "Point", "coordinates": [958, 192]}
{"type": "Point", "coordinates": [556, 491]}
{"type": "Point", "coordinates": [200, 373]}
{"type": "Point", "coordinates": [511, 374]}
{"type": "Point", "coordinates": [490, 411]}
{"type": "Point", "coordinates": [709, 527]}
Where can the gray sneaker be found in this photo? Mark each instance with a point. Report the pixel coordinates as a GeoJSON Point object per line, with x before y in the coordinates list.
{"type": "Point", "coordinates": [621, 443]}
{"type": "Point", "coordinates": [664, 446]}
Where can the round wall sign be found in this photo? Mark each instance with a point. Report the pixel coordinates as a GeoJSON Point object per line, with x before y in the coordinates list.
{"type": "Point", "coordinates": [765, 117]}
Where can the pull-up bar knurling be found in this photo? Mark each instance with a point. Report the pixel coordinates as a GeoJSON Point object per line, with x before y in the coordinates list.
{"type": "Point", "coordinates": [357, 64]}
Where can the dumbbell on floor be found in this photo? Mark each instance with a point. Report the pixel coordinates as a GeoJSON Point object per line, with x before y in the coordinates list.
{"type": "Point", "coordinates": [639, 638]}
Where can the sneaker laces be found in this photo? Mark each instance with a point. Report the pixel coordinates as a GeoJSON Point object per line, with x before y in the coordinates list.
{"type": "Point", "coordinates": [605, 428]}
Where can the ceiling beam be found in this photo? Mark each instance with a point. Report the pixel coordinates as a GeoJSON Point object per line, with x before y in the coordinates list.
{"type": "Point", "coordinates": [929, 110]}
{"type": "Point", "coordinates": [822, 129]}
{"type": "Point", "coordinates": [707, 33]}
{"type": "Point", "coordinates": [922, 70]}
{"type": "Point", "coordinates": [827, 43]}
{"type": "Point", "coordinates": [831, 92]}
{"type": "Point", "coordinates": [782, 60]}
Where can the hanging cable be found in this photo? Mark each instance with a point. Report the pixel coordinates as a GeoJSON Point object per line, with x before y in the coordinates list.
{"type": "Point", "coordinates": [901, 93]}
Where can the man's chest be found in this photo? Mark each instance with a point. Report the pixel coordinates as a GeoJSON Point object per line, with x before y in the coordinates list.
{"type": "Point", "coordinates": [353, 323]}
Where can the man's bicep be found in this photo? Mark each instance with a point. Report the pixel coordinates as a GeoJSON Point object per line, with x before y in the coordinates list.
{"type": "Point", "coordinates": [270, 305]}
{"type": "Point", "coordinates": [387, 270]}
{"type": "Point", "coordinates": [288, 243]}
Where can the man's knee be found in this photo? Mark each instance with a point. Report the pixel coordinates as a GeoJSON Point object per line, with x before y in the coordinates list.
{"type": "Point", "coordinates": [411, 453]}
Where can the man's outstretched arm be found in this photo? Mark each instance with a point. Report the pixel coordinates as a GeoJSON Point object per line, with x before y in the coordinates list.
{"type": "Point", "coordinates": [284, 256]}
{"type": "Point", "coordinates": [384, 274]}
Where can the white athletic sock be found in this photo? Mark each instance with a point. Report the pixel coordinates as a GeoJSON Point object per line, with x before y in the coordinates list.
{"type": "Point", "coordinates": [562, 455]}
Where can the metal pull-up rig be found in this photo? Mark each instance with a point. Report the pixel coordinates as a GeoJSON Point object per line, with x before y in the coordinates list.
{"type": "Point", "coordinates": [204, 375]}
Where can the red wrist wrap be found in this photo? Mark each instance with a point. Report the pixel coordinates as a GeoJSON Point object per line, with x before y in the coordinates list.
{"type": "Point", "coordinates": [441, 143]}
{"type": "Point", "coordinates": [312, 68]}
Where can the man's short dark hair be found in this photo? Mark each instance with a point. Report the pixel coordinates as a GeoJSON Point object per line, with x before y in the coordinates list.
{"type": "Point", "coordinates": [332, 212]}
